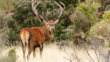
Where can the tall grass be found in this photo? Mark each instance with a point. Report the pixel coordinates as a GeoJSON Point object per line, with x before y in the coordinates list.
{"type": "Point", "coordinates": [52, 53]}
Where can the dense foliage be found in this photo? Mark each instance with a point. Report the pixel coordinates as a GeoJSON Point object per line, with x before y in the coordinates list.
{"type": "Point", "coordinates": [7, 5]}
{"type": "Point", "coordinates": [102, 28]}
{"type": "Point", "coordinates": [25, 18]}
{"type": "Point", "coordinates": [83, 17]}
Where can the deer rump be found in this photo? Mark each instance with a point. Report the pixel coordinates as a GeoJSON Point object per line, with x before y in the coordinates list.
{"type": "Point", "coordinates": [31, 38]}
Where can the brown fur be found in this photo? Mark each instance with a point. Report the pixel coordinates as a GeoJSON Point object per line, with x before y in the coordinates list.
{"type": "Point", "coordinates": [36, 38]}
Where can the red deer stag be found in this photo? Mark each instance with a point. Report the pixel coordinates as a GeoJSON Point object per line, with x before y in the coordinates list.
{"type": "Point", "coordinates": [35, 36]}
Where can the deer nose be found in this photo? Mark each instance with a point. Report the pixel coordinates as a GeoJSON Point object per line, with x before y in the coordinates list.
{"type": "Point", "coordinates": [52, 29]}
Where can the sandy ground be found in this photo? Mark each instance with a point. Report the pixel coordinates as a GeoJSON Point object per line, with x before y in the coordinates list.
{"type": "Point", "coordinates": [52, 53]}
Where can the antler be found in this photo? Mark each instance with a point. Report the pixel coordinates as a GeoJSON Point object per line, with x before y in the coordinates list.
{"type": "Point", "coordinates": [36, 11]}
{"type": "Point", "coordinates": [62, 9]}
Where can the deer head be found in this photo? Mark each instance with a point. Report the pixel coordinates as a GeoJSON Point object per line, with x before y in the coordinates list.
{"type": "Point", "coordinates": [50, 24]}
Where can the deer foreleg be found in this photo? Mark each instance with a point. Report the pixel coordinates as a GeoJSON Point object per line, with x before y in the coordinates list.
{"type": "Point", "coordinates": [41, 48]}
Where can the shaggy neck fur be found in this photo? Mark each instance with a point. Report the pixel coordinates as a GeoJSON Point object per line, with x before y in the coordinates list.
{"type": "Point", "coordinates": [48, 34]}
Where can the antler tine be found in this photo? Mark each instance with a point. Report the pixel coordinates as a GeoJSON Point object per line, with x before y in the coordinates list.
{"type": "Point", "coordinates": [62, 9]}
{"type": "Point", "coordinates": [36, 10]}
{"type": "Point", "coordinates": [63, 5]}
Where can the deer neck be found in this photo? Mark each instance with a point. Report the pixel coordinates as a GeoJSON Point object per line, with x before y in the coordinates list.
{"type": "Point", "coordinates": [48, 34]}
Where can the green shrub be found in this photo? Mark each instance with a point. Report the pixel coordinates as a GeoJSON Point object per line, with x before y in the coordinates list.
{"type": "Point", "coordinates": [102, 28]}
{"type": "Point", "coordinates": [80, 21]}
{"type": "Point", "coordinates": [60, 28]}
{"type": "Point", "coordinates": [106, 16]}
{"type": "Point", "coordinates": [11, 52]}
{"type": "Point", "coordinates": [7, 5]}
{"type": "Point", "coordinates": [89, 9]}
{"type": "Point", "coordinates": [85, 16]}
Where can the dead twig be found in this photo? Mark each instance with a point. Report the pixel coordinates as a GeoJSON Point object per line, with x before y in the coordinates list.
{"type": "Point", "coordinates": [89, 54]}
{"type": "Point", "coordinates": [68, 56]}
{"type": "Point", "coordinates": [108, 56]}
{"type": "Point", "coordinates": [97, 55]}
{"type": "Point", "coordinates": [84, 46]}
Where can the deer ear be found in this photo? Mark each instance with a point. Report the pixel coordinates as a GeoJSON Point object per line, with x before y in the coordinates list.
{"type": "Point", "coordinates": [56, 21]}
{"type": "Point", "coordinates": [45, 21]}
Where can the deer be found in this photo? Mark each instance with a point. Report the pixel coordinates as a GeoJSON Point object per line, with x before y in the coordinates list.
{"type": "Point", "coordinates": [36, 36]}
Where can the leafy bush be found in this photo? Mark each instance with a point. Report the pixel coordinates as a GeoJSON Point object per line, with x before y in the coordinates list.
{"type": "Point", "coordinates": [59, 33]}
{"type": "Point", "coordinates": [2, 20]}
{"type": "Point", "coordinates": [11, 52]}
{"type": "Point", "coordinates": [7, 5]}
{"type": "Point", "coordinates": [106, 16]}
{"type": "Point", "coordinates": [89, 9]}
{"type": "Point", "coordinates": [102, 28]}
{"type": "Point", "coordinates": [60, 28]}
{"type": "Point", "coordinates": [85, 16]}
{"type": "Point", "coordinates": [3, 30]}
{"type": "Point", "coordinates": [68, 2]}
{"type": "Point", "coordinates": [80, 23]}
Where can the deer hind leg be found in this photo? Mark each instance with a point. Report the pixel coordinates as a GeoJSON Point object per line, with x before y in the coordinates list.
{"type": "Point", "coordinates": [29, 52]}
{"type": "Point", "coordinates": [24, 36]}
{"type": "Point", "coordinates": [23, 49]}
